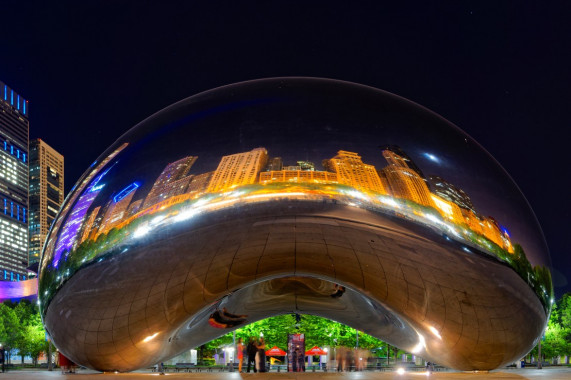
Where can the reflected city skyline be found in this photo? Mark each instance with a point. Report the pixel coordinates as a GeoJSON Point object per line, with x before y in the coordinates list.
{"type": "Point", "coordinates": [400, 188]}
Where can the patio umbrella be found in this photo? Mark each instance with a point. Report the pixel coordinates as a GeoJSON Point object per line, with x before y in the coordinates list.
{"type": "Point", "coordinates": [275, 351]}
{"type": "Point", "coordinates": [315, 351]}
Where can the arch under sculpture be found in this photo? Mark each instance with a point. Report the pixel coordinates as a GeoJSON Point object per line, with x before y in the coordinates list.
{"type": "Point", "coordinates": [299, 195]}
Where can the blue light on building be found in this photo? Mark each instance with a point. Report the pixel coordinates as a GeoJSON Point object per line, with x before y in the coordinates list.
{"type": "Point", "coordinates": [126, 191]}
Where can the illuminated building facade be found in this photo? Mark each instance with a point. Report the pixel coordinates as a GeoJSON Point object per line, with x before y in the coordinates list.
{"type": "Point", "coordinates": [308, 176]}
{"type": "Point", "coordinates": [238, 169]}
{"type": "Point", "coordinates": [402, 181]}
{"type": "Point", "coordinates": [46, 193]}
{"type": "Point", "coordinates": [116, 212]}
{"type": "Point", "coordinates": [14, 161]}
{"type": "Point", "coordinates": [306, 165]}
{"type": "Point", "coordinates": [450, 192]}
{"type": "Point", "coordinates": [87, 227]}
{"type": "Point", "coordinates": [134, 207]}
{"type": "Point", "coordinates": [168, 180]}
{"type": "Point", "coordinates": [397, 157]}
{"type": "Point", "coordinates": [351, 171]}
{"type": "Point", "coordinates": [199, 183]}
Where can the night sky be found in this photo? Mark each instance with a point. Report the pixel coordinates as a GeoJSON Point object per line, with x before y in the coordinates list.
{"type": "Point", "coordinates": [501, 71]}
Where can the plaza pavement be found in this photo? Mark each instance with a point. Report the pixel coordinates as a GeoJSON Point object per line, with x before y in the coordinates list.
{"type": "Point", "coordinates": [551, 373]}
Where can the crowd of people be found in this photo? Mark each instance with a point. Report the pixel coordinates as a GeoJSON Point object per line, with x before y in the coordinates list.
{"type": "Point", "coordinates": [351, 359]}
{"type": "Point", "coordinates": [255, 354]}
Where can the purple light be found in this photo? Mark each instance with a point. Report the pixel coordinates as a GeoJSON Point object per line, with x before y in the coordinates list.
{"type": "Point", "coordinates": [68, 236]}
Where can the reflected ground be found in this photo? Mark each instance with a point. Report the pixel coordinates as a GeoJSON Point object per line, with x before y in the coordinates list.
{"type": "Point", "coordinates": [512, 374]}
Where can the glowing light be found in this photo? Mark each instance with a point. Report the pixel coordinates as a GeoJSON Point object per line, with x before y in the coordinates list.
{"type": "Point", "coordinates": [141, 231]}
{"type": "Point", "coordinates": [389, 202]}
{"type": "Point", "coordinates": [420, 345]}
{"type": "Point", "coordinates": [433, 218]}
{"type": "Point", "coordinates": [435, 332]}
{"type": "Point", "coordinates": [443, 206]}
{"type": "Point", "coordinates": [432, 157]}
{"type": "Point", "coordinates": [126, 191]}
{"type": "Point", "coordinates": [150, 337]}
{"type": "Point", "coordinates": [186, 214]}
{"type": "Point", "coordinates": [400, 371]}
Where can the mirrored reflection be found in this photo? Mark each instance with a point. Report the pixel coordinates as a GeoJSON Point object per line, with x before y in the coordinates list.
{"type": "Point", "coordinates": [283, 144]}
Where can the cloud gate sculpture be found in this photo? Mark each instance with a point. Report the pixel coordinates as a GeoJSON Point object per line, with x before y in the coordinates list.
{"type": "Point", "coordinates": [298, 195]}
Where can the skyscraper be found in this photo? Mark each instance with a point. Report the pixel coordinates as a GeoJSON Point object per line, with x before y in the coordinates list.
{"type": "Point", "coordinates": [169, 178]}
{"type": "Point", "coordinates": [403, 179]}
{"type": "Point", "coordinates": [352, 171]}
{"type": "Point", "coordinates": [46, 193]}
{"type": "Point", "coordinates": [238, 169]}
{"type": "Point", "coordinates": [14, 126]}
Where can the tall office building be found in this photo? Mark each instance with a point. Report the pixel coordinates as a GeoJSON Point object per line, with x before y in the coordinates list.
{"type": "Point", "coordinates": [403, 179]}
{"type": "Point", "coordinates": [46, 193]}
{"type": "Point", "coordinates": [352, 171]}
{"type": "Point", "coordinates": [452, 193]}
{"type": "Point", "coordinates": [14, 127]}
{"type": "Point", "coordinates": [169, 179]}
{"type": "Point", "coordinates": [238, 169]}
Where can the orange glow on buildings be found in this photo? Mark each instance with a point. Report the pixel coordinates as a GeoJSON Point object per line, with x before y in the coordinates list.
{"type": "Point", "coordinates": [238, 169]}
{"type": "Point", "coordinates": [352, 171]}
{"type": "Point", "coordinates": [405, 183]}
{"type": "Point", "coordinates": [449, 210]}
{"type": "Point", "coordinates": [309, 176]}
{"type": "Point", "coordinates": [400, 179]}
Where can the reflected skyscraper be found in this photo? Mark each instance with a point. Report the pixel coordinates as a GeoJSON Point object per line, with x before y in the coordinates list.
{"type": "Point", "coordinates": [169, 182]}
{"type": "Point", "coordinates": [452, 193]}
{"type": "Point", "coordinates": [352, 171]}
{"type": "Point", "coordinates": [116, 212]}
{"type": "Point", "coordinates": [402, 181]}
{"type": "Point", "coordinates": [46, 193]}
{"type": "Point", "coordinates": [14, 126]}
{"type": "Point", "coordinates": [238, 169]}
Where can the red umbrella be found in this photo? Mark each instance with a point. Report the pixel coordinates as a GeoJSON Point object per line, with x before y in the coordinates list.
{"type": "Point", "coordinates": [275, 351]}
{"type": "Point", "coordinates": [315, 351]}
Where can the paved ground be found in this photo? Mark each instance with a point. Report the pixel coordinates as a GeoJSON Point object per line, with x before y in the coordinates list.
{"type": "Point", "coordinates": [512, 374]}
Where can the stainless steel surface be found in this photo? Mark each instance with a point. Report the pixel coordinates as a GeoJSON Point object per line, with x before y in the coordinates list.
{"type": "Point", "coordinates": [270, 196]}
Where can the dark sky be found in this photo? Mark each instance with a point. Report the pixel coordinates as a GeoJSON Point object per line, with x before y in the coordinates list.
{"type": "Point", "coordinates": [499, 70]}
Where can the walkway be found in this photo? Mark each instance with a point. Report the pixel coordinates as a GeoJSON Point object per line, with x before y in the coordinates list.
{"type": "Point", "coordinates": [551, 373]}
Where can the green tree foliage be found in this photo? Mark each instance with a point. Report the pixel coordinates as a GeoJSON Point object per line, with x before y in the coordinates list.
{"type": "Point", "coordinates": [11, 330]}
{"type": "Point", "coordinates": [318, 331]}
{"type": "Point", "coordinates": [557, 340]}
{"type": "Point", "coordinates": [21, 329]}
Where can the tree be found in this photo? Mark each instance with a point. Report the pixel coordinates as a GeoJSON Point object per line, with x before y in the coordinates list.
{"type": "Point", "coordinates": [35, 342]}
{"type": "Point", "coordinates": [557, 339]}
{"type": "Point", "coordinates": [11, 331]}
{"type": "Point", "coordinates": [25, 311]}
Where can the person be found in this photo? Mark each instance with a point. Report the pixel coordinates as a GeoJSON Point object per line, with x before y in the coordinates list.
{"type": "Point", "coordinates": [240, 349]}
{"type": "Point", "coordinates": [429, 367]}
{"type": "Point", "coordinates": [261, 355]}
{"type": "Point", "coordinates": [294, 360]}
{"type": "Point", "coordinates": [63, 362]}
{"type": "Point", "coordinates": [251, 350]}
{"type": "Point", "coordinates": [223, 319]}
{"type": "Point", "coordinates": [301, 362]}
{"type": "Point", "coordinates": [2, 358]}
{"type": "Point", "coordinates": [340, 359]}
